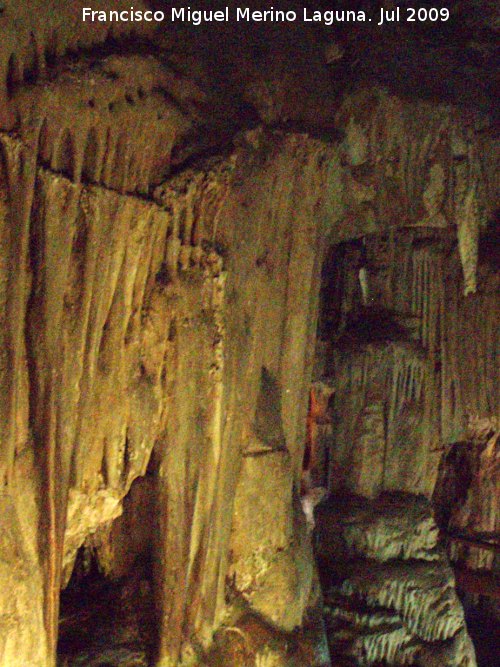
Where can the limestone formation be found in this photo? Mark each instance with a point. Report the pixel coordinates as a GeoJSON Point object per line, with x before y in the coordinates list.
{"type": "Point", "coordinates": [197, 225]}
{"type": "Point", "coordinates": [390, 593]}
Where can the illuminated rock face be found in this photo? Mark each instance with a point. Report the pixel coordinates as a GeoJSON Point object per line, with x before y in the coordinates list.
{"type": "Point", "coordinates": [161, 243]}
{"type": "Point", "coordinates": [401, 369]}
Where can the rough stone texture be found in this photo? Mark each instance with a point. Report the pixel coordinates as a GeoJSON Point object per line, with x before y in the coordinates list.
{"type": "Point", "coordinates": [390, 528]}
{"type": "Point", "coordinates": [21, 621]}
{"type": "Point", "coordinates": [419, 165]}
{"type": "Point", "coordinates": [479, 514]}
{"type": "Point", "coordinates": [408, 365]}
{"type": "Point", "coordinates": [466, 491]}
{"type": "Point", "coordinates": [84, 516]}
{"type": "Point", "coordinates": [147, 342]}
{"type": "Point", "coordinates": [270, 552]}
{"type": "Point", "coordinates": [251, 642]}
{"type": "Point", "coordinates": [390, 593]}
{"type": "Point", "coordinates": [118, 340]}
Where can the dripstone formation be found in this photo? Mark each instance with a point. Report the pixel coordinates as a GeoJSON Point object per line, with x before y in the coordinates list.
{"type": "Point", "coordinates": [244, 268]}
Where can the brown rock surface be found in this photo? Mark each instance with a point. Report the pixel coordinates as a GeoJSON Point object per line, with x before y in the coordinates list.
{"type": "Point", "coordinates": [167, 201]}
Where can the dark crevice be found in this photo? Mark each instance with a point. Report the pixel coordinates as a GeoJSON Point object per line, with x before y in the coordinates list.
{"type": "Point", "coordinates": [106, 621]}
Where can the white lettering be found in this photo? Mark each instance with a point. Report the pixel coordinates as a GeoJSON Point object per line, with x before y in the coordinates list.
{"type": "Point", "coordinates": [85, 11]}
{"type": "Point", "coordinates": [243, 14]}
{"type": "Point", "coordinates": [269, 15]}
{"type": "Point", "coordinates": [199, 16]}
{"type": "Point", "coordinates": [329, 17]}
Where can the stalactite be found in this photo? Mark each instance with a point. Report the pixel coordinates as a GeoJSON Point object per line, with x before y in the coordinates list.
{"type": "Point", "coordinates": [65, 154]}
{"type": "Point", "coordinates": [128, 293]}
{"type": "Point", "coordinates": [58, 204]}
{"type": "Point", "coordinates": [405, 378]}
{"type": "Point", "coordinates": [5, 236]}
{"type": "Point", "coordinates": [173, 246]}
{"type": "Point", "coordinates": [118, 169]}
{"type": "Point", "coordinates": [14, 74]}
{"type": "Point", "coordinates": [54, 520]}
{"type": "Point", "coordinates": [468, 224]}
{"type": "Point", "coordinates": [21, 177]}
{"type": "Point", "coordinates": [92, 156]}
{"type": "Point", "coordinates": [364, 283]}
{"type": "Point", "coordinates": [88, 244]}
{"type": "Point", "coordinates": [213, 298]}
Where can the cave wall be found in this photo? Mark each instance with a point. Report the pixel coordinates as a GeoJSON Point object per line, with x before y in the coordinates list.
{"type": "Point", "coordinates": [407, 336]}
{"type": "Point", "coordinates": [415, 361]}
{"type": "Point", "coordinates": [139, 324]}
{"type": "Point", "coordinates": [159, 314]}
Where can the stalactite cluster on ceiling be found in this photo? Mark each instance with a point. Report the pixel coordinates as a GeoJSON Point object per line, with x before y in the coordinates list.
{"type": "Point", "coordinates": [415, 361]}
{"type": "Point", "coordinates": [422, 165]}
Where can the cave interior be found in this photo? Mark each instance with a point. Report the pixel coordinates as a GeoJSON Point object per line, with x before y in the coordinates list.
{"type": "Point", "coordinates": [249, 285]}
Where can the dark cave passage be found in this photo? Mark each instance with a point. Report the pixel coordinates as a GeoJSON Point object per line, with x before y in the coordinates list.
{"type": "Point", "coordinates": [482, 625]}
{"type": "Point", "coordinates": [107, 613]}
{"type": "Point", "coordinates": [104, 622]}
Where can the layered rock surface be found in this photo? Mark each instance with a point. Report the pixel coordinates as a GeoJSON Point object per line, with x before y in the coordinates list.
{"type": "Point", "coordinates": [389, 590]}
{"type": "Point", "coordinates": [125, 297]}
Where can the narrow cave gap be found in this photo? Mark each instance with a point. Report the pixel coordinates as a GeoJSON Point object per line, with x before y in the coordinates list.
{"type": "Point", "coordinates": [51, 50]}
{"type": "Point", "coordinates": [91, 155]}
{"type": "Point", "coordinates": [107, 615]}
{"type": "Point", "coordinates": [119, 171]}
{"type": "Point", "coordinates": [14, 75]}
{"type": "Point", "coordinates": [33, 66]}
{"type": "Point", "coordinates": [105, 621]}
{"type": "Point", "coordinates": [65, 158]}
{"type": "Point", "coordinates": [87, 592]}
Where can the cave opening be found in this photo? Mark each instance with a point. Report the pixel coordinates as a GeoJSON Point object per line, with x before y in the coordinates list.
{"type": "Point", "coordinates": [104, 621]}
{"type": "Point", "coordinates": [107, 615]}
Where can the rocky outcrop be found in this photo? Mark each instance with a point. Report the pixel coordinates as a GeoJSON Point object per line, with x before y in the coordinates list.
{"type": "Point", "coordinates": [126, 298]}
{"type": "Point", "coordinates": [389, 590]}
{"type": "Point", "coordinates": [464, 497]}
{"type": "Point", "coordinates": [419, 165]}
{"type": "Point", "coordinates": [271, 558]}
{"type": "Point", "coordinates": [401, 390]}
